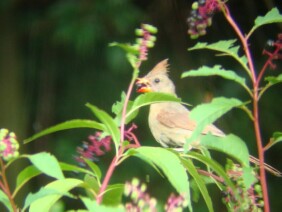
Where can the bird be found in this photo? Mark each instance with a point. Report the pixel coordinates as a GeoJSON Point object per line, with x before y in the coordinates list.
{"type": "Point", "coordinates": [169, 122]}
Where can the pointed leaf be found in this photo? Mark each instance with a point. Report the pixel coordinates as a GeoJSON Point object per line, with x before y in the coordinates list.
{"type": "Point", "coordinates": [231, 145]}
{"type": "Point", "coordinates": [217, 168]}
{"type": "Point", "coordinates": [92, 205]}
{"type": "Point", "coordinates": [227, 47]}
{"type": "Point", "coordinates": [47, 164]}
{"type": "Point", "coordinates": [273, 16]}
{"type": "Point", "coordinates": [272, 80]}
{"type": "Point", "coordinates": [190, 167]}
{"type": "Point", "coordinates": [276, 138]}
{"type": "Point", "coordinates": [73, 168]}
{"type": "Point", "coordinates": [24, 176]}
{"type": "Point", "coordinates": [59, 189]}
{"type": "Point", "coordinates": [218, 71]}
{"type": "Point", "coordinates": [151, 98]}
{"type": "Point", "coordinates": [118, 107]}
{"type": "Point", "coordinates": [95, 169]}
{"type": "Point", "coordinates": [110, 126]}
{"type": "Point", "coordinates": [113, 195]}
{"type": "Point", "coordinates": [5, 200]}
{"type": "Point", "coordinates": [207, 113]}
{"type": "Point", "coordinates": [72, 124]}
{"type": "Point", "coordinates": [43, 192]}
{"type": "Point", "coordinates": [169, 163]}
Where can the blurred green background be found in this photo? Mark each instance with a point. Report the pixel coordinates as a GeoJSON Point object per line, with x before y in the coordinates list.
{"type": "Point", "coordinates": [54, 57]}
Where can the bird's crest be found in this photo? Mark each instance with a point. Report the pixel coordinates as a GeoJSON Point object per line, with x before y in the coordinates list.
{"type": "Point", "coordinates": [160, 68]}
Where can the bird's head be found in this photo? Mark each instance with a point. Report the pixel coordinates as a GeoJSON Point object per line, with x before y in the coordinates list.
{"type": "Point", "coordinates": [156, 80]}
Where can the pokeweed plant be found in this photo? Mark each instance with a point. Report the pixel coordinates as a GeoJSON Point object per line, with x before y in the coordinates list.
{"type": "Point", "coordinates": [242, 188]}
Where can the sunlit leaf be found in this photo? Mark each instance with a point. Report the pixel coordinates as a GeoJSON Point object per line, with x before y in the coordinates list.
{"type": "Point", "coordinates": [272, 80]}
{"type": "Point", "coordinates": [217, 70]}
{"type": "Point", "coordinates": [92, 183]}
{"type": "Point", "coordinates": [199, 181]}
{"type": "Point", "coordinates": [207, 113]}
{"type": "Point", "coordinates": [95, 169]}
{"type": "Point", "coordinates": [151, 98]}
{"type": "Point", "coordinates": [217, 168]}
{"type": "Point", "coordinates": [47, 164]}
{"type": "Point", "coordinates": [92, 205]}
{"type": "Point", "coordinates": [230, 144]}
{"type": "Point", "coordinates": [51, 193]}
{"type": "Point", "coordinates": [170, 165]}
{"type": "Point", "coordinates": [276, 138]}
{"type": "Point", "coordinates": [24, 176]}
{"type": "Point", "coordinates": [110, 126]}
{"type": "Point", "coordinates": [248, 177]}
{"type": "Point", "coordinates": [113, 195]}
{"type": "Point", "coordinates": [273, 16]}
{"type": "Point", "coordinates": [225, 46]}
{"type": "Point", "coordinates": [126, 47]}
{"type": "Point", "coordinates": [118, 107]}
{"type": "Point", "coordinates": [72, 124]}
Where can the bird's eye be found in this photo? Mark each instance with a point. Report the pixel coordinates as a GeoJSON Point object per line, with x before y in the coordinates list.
{"type": "Point", "coordinates": [157, 80]}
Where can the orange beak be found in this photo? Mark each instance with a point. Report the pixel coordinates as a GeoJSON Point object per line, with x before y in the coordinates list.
{"type": "Point", "coordinates": [143, 85]}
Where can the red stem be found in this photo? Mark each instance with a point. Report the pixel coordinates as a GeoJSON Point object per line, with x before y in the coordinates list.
{"type": "Point", "coordinates": [106, 180]}
{"type": "Point", "coordinates": [121, 148]}
{"type": "Point", "coordinates": [244, 41]}
{"type": "Point", "coordinates": [6, 188]}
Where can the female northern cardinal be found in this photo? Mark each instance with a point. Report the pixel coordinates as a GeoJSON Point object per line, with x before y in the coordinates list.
{"type": "Point", "coordinates": [169, 122]}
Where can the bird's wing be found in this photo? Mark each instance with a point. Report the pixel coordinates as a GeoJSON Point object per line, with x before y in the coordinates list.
{"type": "Point", "coordinates": [175, 119]}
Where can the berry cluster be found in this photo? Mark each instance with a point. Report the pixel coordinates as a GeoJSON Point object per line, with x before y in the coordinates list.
{"type": "Point", "coordinates": [274, 52]}
{"type": "Point", "coordinates": [201, 16]}
{"type": "Point", "coordinates": [140, 200]}
{"type": "Point", "coordinates": [251, 198]}
{"type": "Point", "coordinates": [94, 148]}
{"type": "Point", "coordinates": [8, 145]}
{"type": "Point", "coordinates": [176, 203]}
{"type": "Point", "coordinates": [146, 40]}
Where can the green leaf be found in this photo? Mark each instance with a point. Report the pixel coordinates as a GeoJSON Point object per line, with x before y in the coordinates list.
{"type": "Point", "coordinates": [113, 195]}
{"type": "Point", "coordinates": [272, 80]}
{"type": "Point", "coordinates": [51, 193]}
{"type": "Point", "coordinates": [95, 169]}
{"type": "Point", "coordinates": [24, 176]}
{"type": "Point", "coordinates": [273, 16]}
{"type": "Point", "coordinates": [169, 163]}
{"type": "Point", "coordinates": [43, 192]}
{"type": "Point", "coordinates": [47, 164]}
{"type": "Point", "coordinates": [207, 113]}
{"type": "Point", "coordinates": [73, 168]}
{"type": "Point", "coordinates": [276, 138]}
{"type": "Point", "coordinates": [72, 124]}
{"type": "Point", "coordinates": [190, 167]}
{"type": "Point", "coordinates": [150, 98]}
{"type": "Point", "coordinates": [231, 145]}
{"type": "Point", "coordinates": [126, 47]}
{"type": "Point", "coordinates": [92, 184]}
{"type": "Point", "coordinates": [218, 71]}
{"type": "Point", "coordinates": [217, 168]}
{"type": "Point", "coordinates": [92, 205]}
{"type": "Point", "coordinates": [227, 47]}
{"type": "Point", "coordinates": [5, 200]}
{"type": "Point", "coordinates": [118, 107]}
{"type": "Point", "coordinates": [248, 177]}
{"type": "Point", "coordinates": [110, 126]}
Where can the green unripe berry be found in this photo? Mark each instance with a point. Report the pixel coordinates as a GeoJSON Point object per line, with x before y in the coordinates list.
{"type": "Point", "coordinates": [150, 44]}
{"type": "Point", "coordinates": [135, 182]}
{"type": "Point", "coordinates": [195, 6]}
{"type": "Point", "coordinates": [139, 32]}
{"type": "Point", "coordinates": [150, 28]}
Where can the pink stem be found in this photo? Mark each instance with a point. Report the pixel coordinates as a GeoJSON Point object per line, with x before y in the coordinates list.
{"type": "Point", "coordinates": [255, 81]}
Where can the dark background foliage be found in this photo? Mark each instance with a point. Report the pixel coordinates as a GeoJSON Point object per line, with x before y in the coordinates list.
{"type": "Point", "coordinates": [54, 57]}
